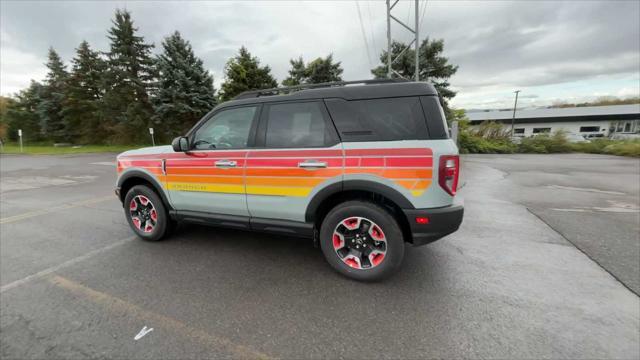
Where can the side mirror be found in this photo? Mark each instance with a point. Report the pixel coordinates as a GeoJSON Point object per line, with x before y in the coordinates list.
{"type": "Point", "coordinates": [180, 144]}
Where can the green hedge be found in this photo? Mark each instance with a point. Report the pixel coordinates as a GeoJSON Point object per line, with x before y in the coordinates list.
{"type": "Point", "coordinates": [473, 143]}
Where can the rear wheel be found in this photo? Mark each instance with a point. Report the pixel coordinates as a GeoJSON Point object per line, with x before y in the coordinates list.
{"type": "Point", "coordinates": [362, 241]}
{"type": "Point", "coordinates": [146, 213]}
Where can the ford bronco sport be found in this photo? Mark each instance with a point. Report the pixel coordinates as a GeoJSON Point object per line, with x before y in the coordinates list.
{"type": "Point", "coordinates": [361, 169]}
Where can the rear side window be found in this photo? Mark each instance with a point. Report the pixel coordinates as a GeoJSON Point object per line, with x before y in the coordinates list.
{"type": "Point", "coordinates": [379, 119]}
{"type": "Point", "coordinates": [297, 125]}
{"type": "Point", "coordinates": [436, 121]}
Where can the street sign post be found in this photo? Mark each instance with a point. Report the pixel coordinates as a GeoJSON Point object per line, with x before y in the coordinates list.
{"type": "Point", "coordinates": [20, 138]}
{"type": "Point", "coordinates": [153, 141]}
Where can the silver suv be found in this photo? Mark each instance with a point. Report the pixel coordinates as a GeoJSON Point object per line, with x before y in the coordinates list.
{"type": "Point", "coordinates": [361, 168]}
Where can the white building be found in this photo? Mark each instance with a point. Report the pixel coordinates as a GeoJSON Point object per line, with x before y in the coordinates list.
{"type": "Point", "coordinates": [592, 121]}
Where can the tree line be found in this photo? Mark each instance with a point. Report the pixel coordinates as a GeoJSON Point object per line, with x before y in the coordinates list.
{"type": "Point", "coordinates": [114, 96]}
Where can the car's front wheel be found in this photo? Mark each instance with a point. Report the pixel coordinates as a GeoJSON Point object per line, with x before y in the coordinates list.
{"type": "Point", "coordinates": [146, 213]}
{"type": "Point", "coordinates": [362, 240]}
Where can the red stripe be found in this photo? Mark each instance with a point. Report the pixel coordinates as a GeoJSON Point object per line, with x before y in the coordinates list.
{"type": "Point", "coordinates": [206, 162]}
{"type": "Point", "coordinates": [294, 153]}
{"type": "Point", "coordinates": [410, 162]}
{"type": "Point", "coordinates": [129, 163]}
{"type": "Point", "coordinates": [190, 155]}
{"type": "Point", "coordinates": [388, 152]}
{"type": "Point", "coordinates": [370, 162]}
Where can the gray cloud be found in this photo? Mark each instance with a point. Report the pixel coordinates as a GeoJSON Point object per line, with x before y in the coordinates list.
{"type": "Point", "coordinates": [498, 45]}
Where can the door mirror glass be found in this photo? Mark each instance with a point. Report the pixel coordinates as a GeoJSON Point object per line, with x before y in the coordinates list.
{"type": "Point", "coordinates": [180, 144]}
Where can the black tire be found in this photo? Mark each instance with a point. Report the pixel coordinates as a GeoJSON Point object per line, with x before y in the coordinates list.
{"type": "Point", "coordinates": [382, 218]}
{"type": "Point", "coordinates": [162, 223]}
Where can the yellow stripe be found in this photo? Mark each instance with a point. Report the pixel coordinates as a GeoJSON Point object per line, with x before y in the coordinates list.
{"type": "Point", "coordinates": [417, 192]}
{"type": "Point", "coordinates": [278, 190]}
{"type": "Point", "coordinates": [218, 188]}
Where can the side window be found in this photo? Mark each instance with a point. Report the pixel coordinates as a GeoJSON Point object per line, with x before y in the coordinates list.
{"type": "Point", "coordinates": [228, 129]}
{"type": "Point", "coordinates": [296, 125]}
{"type": "Point", "coordinates": [379, 119]}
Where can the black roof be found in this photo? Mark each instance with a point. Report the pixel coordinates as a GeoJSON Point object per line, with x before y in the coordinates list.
{"type": "Point", "coordinates": [344, 90]}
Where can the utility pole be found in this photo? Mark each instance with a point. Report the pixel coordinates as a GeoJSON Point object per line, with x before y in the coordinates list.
{"type": "Point", "coordinates": [415, 42]}
{"type": "Point", "coordinates": [389, 38]}
{"type": "Point", "coordinates": [417, 32]}
{"type": "Point", "coordinates": [513, 119]}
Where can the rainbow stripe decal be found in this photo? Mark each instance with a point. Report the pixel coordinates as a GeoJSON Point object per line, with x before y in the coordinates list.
{"type": "Point", "coordinates": [276, 172]}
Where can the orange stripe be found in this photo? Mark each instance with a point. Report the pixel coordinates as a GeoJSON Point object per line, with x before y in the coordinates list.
{"type": "Point", "coordinates": [407, 173]}
{"type": "Point", "coordinates": [294, 172]}
{"type": "Point", "coordinates": [409, 184]}
{"type": "Point", "coordinates": [420, 173]}
{"type": "Point", "coordinates": [423, 184]}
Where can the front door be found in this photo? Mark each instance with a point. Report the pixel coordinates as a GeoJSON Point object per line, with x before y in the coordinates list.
{"type": "Point", "coordinates": [297, 152]}
{"type": "Point", "coordinates": [209, 179]}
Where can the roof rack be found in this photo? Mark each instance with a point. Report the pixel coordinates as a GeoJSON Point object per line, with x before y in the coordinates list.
{"type": "Point", "coordinates": [290, 89]}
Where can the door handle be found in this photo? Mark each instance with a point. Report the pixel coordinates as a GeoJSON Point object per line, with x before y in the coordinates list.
{"type": "Point", "coordinates": [225, 163]}
{"type": "Point", "coordinates": [312, 164]}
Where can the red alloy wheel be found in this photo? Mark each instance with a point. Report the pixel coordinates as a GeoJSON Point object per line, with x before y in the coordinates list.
{"type": "Point", "coordinates": [360, 243]}
{"type": "Point", "coordinates": [143, 214]}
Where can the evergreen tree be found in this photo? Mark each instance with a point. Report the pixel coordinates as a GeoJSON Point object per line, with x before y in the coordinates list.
{"type": "Point", "coordinates": [297, 73]}
{"type": "Point", "coordinates": [23, 114]}
{"type": "Point", "coordinates": [434, 67]}
{"type": "Point", "coordinates": [185, 89]}
{"type": "Point", "coordinates": [126, 108]}
{"type": "Point", "coordinates": [318, 71]}
{"type": "Point", "coordinates": [242, 73]}
{"type": "Point", "coordinates": [323, 70]}
{"type": "Point", "coordinates": [52, 96]}
{"type": "Point", "coordinates": [85, 90]}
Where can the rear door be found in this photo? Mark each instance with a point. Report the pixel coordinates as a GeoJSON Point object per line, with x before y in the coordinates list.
{"type": "Point", "coordinates": [209, 179]}
{"type": "Point", "coordinates": [297, 153]}
{"type": "Point", "coordinates": [390, 141]}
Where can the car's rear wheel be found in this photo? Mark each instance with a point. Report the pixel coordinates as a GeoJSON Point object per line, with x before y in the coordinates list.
{"type": "Point", "coordinates": [146, 213]}
{"type": "Point", "coordinates": [362, 240]}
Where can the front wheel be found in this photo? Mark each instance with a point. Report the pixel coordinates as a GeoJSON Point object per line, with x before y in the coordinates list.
{"type": "Point", "coordinates": [146, 213]}
{"type": "Point", "coordinates": [362, 240]}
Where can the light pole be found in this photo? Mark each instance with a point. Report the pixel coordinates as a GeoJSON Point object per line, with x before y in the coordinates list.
{"type": "Point", "coordinates": [513, 119]}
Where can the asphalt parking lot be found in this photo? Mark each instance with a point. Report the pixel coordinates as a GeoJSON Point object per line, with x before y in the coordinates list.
{"type": "Point", "coordinates": [544, 266]}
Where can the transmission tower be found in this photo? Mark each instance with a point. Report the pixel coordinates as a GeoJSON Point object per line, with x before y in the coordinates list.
{"type": "Point", "coordinates": [416, 39]}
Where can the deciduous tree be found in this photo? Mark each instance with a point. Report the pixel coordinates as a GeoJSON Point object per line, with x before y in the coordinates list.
{"type": "Point", "coordinates": [22, 113]}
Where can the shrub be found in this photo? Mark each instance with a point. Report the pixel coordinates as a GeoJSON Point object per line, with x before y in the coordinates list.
{"type": "Point", "coordinates": [556, 143]}
{"type": "Point", "coordinates": [474, 144]}
{"type": "Point", "coordinates": [624, 148]}
{"type": "Point", "coordinates": [612, 147]}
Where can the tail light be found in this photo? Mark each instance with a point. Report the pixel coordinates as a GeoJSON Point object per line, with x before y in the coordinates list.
{"type": "Point", "coordinates": [448, 173]}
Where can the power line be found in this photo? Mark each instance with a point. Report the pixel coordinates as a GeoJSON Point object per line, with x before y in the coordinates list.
{"type": "Point", "coordinates": [364, 34]}
{"type": "Point", "coordinates": [373, 38]}
{"type": "Point", "coordinates": [424, 8]}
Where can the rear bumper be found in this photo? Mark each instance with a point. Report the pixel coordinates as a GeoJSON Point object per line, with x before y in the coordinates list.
{"type": "Point", "coordinates": [442, 222]}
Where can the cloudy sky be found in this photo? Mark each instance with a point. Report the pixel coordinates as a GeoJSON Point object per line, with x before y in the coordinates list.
{"type": "Point", "coordinates": [552, 51]}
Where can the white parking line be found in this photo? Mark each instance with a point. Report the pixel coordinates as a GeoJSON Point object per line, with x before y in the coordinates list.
{"type": "Point", "coordinates": [105, 163]}
{"type": "Point", "coordinates": [70, 262]}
